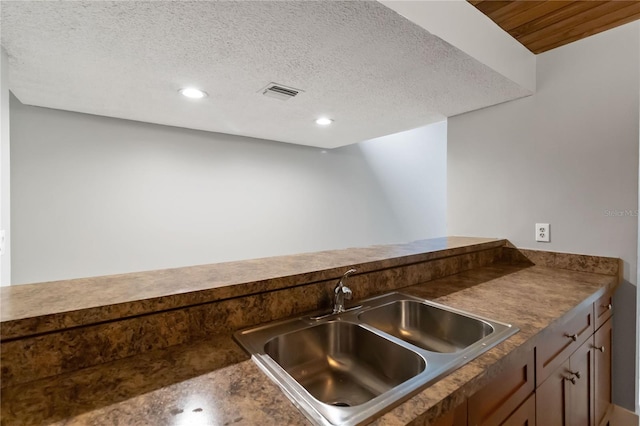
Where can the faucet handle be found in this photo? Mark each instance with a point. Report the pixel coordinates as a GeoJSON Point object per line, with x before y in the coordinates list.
{"type": "Point", "coordinates": [343, 280]}
{"type": "Point", "coordinates": [349, 272]}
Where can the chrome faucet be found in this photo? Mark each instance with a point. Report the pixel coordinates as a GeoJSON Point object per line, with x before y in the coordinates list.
{"type": "Point", "coordinates": [342, 292]}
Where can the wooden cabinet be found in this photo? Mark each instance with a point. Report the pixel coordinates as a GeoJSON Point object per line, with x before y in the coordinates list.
{"type": "Point", "coordinates": [602, 341]}
{"type": "Point", "coordinates": [569, 386]}
{"type": "Point", "coordinates": [578, 390]}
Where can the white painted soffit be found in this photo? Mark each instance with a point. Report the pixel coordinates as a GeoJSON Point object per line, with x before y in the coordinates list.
{"type": "Point", "coordinates": [359, 62]}
{"type": "Point", "coordinates": [460, 24]}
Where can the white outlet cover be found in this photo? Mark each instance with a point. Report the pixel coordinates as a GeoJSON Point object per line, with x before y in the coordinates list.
{"type": "Point", "coordinates": [543, 232]}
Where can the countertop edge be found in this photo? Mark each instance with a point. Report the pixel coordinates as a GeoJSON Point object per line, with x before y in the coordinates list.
{"type": "Point", "coordinates": [22, 325]}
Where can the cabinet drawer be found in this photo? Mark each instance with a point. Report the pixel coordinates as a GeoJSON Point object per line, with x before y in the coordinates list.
{"type": "Point", "coordinates": [559, 341]}
{"type": "Point", "coordinates": [603, 308]}
{"type": "Point", "coordinates": [496, 401]}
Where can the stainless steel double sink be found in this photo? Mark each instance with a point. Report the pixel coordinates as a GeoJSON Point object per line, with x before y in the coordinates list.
{"type": "Point", "coordinates": [343, 369]}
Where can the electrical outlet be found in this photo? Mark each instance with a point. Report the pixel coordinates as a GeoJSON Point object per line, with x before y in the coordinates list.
{"type": "Point", "coordinates": [543, 233]}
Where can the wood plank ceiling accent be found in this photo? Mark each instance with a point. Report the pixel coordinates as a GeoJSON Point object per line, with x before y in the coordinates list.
{"type": "Point", "coordinates": [545, 25]}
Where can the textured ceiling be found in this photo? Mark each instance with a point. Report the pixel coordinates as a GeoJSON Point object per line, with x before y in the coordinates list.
{"type": "Point", "coordinates": [358, 62]}
{"type": "Point", "coordinates": [545, 25]}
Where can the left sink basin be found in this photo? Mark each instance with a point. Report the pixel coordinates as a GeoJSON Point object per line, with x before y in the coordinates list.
{"type": "Point", "coordinates": [343, 364]}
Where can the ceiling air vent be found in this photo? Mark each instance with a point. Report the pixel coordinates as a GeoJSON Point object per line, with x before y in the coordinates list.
{"type": "Point", "coordinates": [279, 91]}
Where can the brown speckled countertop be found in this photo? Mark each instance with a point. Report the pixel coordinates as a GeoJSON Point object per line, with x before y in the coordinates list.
{"type": "Point", "coordinates": [212, 382]}
{"type": "Point", "coordinates": [35, 308]}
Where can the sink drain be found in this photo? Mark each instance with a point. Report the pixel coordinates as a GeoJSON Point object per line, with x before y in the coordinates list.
{"type": "Point", "coordinates": [341, 404]}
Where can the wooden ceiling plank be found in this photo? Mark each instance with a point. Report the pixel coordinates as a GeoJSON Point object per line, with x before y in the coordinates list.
{"type": "Point", "coordinates": [536, 12]}
{"type": "Point", "coordinates": [475, 2]}
{"type": "Point", "coordinates": [602, 23]}
{"type": "Point", "coordinates": [489, 7]}
{"type": "Point", "coordinates": [554, 30]}
{"type": "Point", "coordinates": [541, 48]}
{"type": "Point", "coordinates": [505, 13]}
{"type": "Point", "coordinates": [584, 35]}
{"type": "Point", "coordinates": [571, 9]}
{"type": "Point", "coordinates": [634, 10]}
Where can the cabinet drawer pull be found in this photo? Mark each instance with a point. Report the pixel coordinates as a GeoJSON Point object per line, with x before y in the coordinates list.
{"type": "Point", "coordinates": [570, 379]}
{"type": "Point", "coordinates": [573, 337]}
{"type": "Point", "coordinates": [599, 348]}
{"type": "Point", "coordinates": [609, 306]}
{"type": "Point", "coordinates": [576, 373]}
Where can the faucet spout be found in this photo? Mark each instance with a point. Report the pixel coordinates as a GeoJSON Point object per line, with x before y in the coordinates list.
{"type": "Point", "coordinates": [342, 292]}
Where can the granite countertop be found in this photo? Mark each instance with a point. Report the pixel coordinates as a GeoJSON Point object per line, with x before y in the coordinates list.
{"type": "Point", "coordinates": [213, 382]}
{"type": "Point", "coordinates": [36, 308]}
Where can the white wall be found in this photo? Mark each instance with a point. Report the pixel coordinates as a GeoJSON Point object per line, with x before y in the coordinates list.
{"type": "Point", "coordinates": [5, 167]}
{"type": "Point", "coordinates": [95, 196]}
{"type": "Point", "coordinates": [412, 178]}
{"type": "Point", "coordinates": [566, 155]}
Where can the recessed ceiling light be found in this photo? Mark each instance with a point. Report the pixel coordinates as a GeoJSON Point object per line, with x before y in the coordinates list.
{"type": "Point", "coordinates": [323, 121]}
{"type": "Point", "coordinates": [192, 93]}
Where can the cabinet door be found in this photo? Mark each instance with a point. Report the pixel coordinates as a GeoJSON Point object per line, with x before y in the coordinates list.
{"type": "Point", "coordinates": [525, 415]}
{"type": "Point", "coordinates": [602, 360]}
{"type": "Point", "coordinates": [580, 394]}
{"type": "Point", "coordinates": [552, 398]}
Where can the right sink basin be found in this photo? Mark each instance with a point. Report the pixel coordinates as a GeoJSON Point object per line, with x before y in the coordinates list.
{"type": "Point", "coordinates": [427, 326]}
